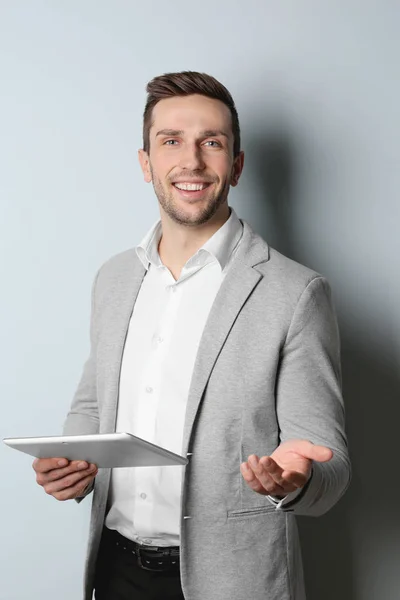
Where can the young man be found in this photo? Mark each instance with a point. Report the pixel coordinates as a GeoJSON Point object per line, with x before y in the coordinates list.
{"type": "Point", "coordinates": [205, 341]}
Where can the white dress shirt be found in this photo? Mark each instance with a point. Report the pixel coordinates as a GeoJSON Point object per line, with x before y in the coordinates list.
{"type": "Point", "coordinates": [159, 354]}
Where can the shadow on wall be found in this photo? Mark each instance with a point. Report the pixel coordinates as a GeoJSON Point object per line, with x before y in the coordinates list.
{"type": "Point", "coordinates": [341, 548]}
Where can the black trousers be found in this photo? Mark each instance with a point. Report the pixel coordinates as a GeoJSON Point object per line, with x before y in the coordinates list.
{"type": "Point", "coordinates": [119, 577]}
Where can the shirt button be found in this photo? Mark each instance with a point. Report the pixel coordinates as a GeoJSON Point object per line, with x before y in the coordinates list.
{"type": "Point", "coordinates": [149, 390]}
{"type": "Point", "coordinates": [144, 496]}
{"type": "Point", "coordinates": [160, 339]}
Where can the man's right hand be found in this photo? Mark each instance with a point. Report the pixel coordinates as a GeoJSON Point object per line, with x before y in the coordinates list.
{"type": "Point", "coordinates": [63, 479]}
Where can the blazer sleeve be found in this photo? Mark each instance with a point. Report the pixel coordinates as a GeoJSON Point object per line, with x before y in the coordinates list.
{"type": "Point", "coordinates": [83, 416]}
{"type": "Point", "coordinates": [309, 399]}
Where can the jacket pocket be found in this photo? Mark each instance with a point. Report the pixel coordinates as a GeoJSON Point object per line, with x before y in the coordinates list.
{"type": "Point", "coordinates": [251, 512]}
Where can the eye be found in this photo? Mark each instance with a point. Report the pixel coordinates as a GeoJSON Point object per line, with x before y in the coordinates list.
{"type": "Point", "coordinates": [170, 142]}
{"type": "Point", "coordinates": [212, 143]}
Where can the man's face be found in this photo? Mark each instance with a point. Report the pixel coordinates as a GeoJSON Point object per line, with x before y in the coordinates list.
{"type": "Point", "coordinates": [191, 160]}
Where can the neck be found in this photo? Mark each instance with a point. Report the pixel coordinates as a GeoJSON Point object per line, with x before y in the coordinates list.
{"type": "Point", "coordinates": [179, 243]}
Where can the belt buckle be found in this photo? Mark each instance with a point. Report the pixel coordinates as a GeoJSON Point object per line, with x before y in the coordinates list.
{"type": "Point", "coordinates": [140, 561]}
{"type": "Point", "coordinates": [165, 563]}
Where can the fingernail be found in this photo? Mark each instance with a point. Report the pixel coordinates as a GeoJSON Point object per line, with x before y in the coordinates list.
{"type": "Point", "coordinates": [62, 462]}
{"type": "Point", "coordinates": [82, 465]}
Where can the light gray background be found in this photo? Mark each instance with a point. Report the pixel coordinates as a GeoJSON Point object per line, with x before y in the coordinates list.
{"type": "Point", "coordinates": [317, 89]}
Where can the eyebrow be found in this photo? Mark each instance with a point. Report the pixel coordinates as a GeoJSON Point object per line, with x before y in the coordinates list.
{"type": "Point", "coordinates": [213, 133]}
{"type": "Point", "coordinates": [172, 132]}
{"type": "Point", "coordinates": [206, 133]}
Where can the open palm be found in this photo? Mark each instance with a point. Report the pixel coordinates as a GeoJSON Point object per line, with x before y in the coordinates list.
{"type": "Point", "coordinates": [287, 469]}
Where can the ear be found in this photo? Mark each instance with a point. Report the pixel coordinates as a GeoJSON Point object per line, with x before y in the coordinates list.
{"type": "Point", "coordinates": [237, 169]}
{"type": "Point", "coordinates": [145, 165]}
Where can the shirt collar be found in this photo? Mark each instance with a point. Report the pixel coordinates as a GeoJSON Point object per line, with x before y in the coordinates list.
{"type": "Point", "coordinates": [220, 246]}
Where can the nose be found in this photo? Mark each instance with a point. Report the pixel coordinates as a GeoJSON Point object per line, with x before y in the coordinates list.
{"type": "Point", "coordinates": [191, 158]}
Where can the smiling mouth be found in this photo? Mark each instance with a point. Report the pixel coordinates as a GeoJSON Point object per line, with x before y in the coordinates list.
{"type": "Point", "coordinates": [192, 187]}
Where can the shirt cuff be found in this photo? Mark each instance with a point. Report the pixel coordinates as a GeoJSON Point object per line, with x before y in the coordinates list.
{"type": "Point", "coordinates": [280, 502]}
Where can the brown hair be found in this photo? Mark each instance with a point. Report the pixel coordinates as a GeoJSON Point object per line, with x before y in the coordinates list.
{"type": "Point", "coordinates": [186, 83]}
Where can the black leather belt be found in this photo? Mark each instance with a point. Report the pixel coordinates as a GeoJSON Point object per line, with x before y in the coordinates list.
{"type": "Point", "coordinates": [150, 558]}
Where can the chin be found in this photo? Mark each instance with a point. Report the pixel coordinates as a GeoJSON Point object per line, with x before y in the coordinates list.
{"type": "Point", "coordinates": [190, 215]}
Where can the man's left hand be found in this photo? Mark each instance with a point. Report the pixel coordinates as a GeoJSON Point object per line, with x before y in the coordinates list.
{"type": "Point", "coordinates": [286, 470]}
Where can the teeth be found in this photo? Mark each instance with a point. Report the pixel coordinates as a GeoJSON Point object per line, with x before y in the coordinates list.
{"type": "Point", "coordinates": [191, 187]}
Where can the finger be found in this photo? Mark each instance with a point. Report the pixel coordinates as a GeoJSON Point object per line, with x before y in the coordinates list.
{"type": "Point", "coordinates": [44, 465]}
{"type": "Point", "coordinates": [82, 463]}
{"type": "Point", "coordinates": [275, 486]}
{"type": "Point", "coordinates": [285, 478]}
{"type": "Point", "coordinates": [262, 474]}
{"type": "Point", "coordinates": [70, 480]}
{"type": "Point", "coordinates": [322, 454]}
{"type": "Point", "coordinates": [251, 479]}
{"type": "Point", "coordinates": [269, 486]}
{"type": "Point", "coordinates": [312, 451]}
{"type": "Point", "coordinates": [75, 491]}
{"type": "Point", "coordinates": [55, 474]}
{"type": "Point", "coordinates": [273, 469]}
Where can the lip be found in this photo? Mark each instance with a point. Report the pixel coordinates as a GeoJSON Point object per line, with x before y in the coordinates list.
{"type": "Point", "coordinates": [192, 181]}
{"type": "Point", "coordinates": [192, 195]}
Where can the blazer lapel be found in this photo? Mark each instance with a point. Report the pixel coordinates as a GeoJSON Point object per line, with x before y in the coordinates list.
{"type": "Point", "coordinates": [125, 294]}
{"type": "Point", "coordinates": [237, 286]}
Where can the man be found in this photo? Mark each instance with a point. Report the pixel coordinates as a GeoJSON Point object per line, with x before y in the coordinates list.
{"type": "Point", "coordinates": [205, 341]}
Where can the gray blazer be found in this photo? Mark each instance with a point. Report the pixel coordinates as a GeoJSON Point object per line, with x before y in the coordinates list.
{"type": "Point", "coordinates": [267, 370]}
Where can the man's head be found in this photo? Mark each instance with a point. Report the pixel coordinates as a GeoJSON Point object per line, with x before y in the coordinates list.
{"type": "Point", "coordinates": [191, 139]}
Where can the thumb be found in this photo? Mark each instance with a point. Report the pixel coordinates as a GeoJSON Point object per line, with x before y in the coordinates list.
{"type": "Point", "coordinates": [313, 451]}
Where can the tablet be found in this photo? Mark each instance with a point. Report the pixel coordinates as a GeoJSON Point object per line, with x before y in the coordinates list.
{"type": "Point", "coordinates": [103, 449]}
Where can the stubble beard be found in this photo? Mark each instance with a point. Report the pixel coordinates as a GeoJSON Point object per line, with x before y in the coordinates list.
{"type": "Point", "coordinates": [179, 215]}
